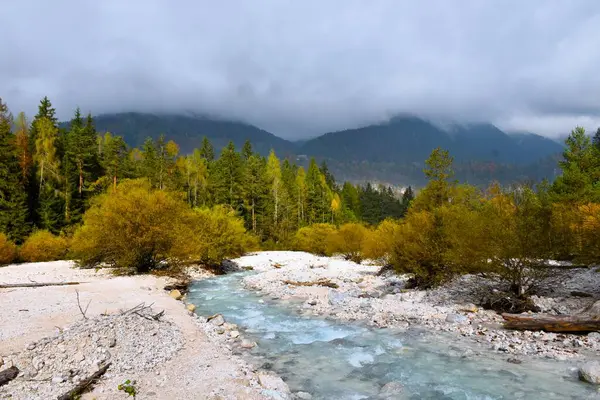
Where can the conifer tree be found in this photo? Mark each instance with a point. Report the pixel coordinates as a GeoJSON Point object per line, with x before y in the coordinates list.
{"type": "Point", "coordinates": [207, 150]}
{"type": "Point", "coordinates": [13, 202]}
{"type": "Point", "coordinates": [274, 179]}
{"type": "Point", "coordinates": [302, 194]}
{"type": "Point", "coordinates": [256, 192]}
{"type": "Point", "coordinates": [247, 150]}
{"type": "Point", "coordinates": [227, 177]}
{"type": "Point", "coordinates": [114, 158]}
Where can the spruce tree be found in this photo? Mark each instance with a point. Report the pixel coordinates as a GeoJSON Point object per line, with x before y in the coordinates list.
{"type": "Point", "coordinates": [207, 150]}
{"type": "Point", "coordinates": [13, 201]}
{"type": "Point", "coordinates": [255, 193]}
{"type": "Point", "coordinates": [247, 150]}
{"type": "Point", "coordinates": [227, 177]}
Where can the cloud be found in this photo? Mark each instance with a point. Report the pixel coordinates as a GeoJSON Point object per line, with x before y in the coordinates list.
{"type": "Point", "coordinates": [303, 67]}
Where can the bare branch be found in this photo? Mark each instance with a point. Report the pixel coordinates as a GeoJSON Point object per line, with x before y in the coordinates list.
{"type": "Point", "coordinates": [83, 312]}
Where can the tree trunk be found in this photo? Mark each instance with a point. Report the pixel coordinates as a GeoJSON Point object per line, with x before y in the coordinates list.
{"type": "Point", "coordinates": [552, 323]}
{"type": "Point", "coordinates": [84, 385]}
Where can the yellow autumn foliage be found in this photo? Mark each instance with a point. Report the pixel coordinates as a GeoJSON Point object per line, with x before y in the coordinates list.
{"type": "Point", "coordinates": [43, 246]}
{"type": "Point", "coordinates": [313, 238]}
{"type": "Point", "coordinates": [8, 250]}
{"type": "Point", "coordinates": [349, 240]}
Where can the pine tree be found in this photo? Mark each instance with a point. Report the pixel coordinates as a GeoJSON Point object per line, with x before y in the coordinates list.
{"type": "Point", "coordinates": [227, 177]}
{"type": "Point", "coordinates": [302, 194]}
{"type": "Point", "coordinates": [114, 158]}
{"type": "Point", "coordinates": [256, 192]}
{"type": "Point", "coordinates": [207, 150]}
{"type": "Point", "coordinates": [149, 167]}
{"type": "Point", "coordinates": [247, 150]}
{"type": "Point", "coordinates": [13, 201]}
{"type": "Point", "coordinates": [407, 198]}
{"type": "Point", "coordinates": [318, 195]}
{"type": "Point", "coordinates": [274, 179]}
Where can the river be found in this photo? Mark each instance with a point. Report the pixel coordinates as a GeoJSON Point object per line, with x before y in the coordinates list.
{"type": "Point", "coordinates": [333, 360]}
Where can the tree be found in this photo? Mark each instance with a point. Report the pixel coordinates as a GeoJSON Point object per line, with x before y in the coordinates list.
{"type": "Point", "coordinates": [302, 196]}
{"type": "Point", "coordinates": [227, 177]}
{"type": "Point", "coordinates": [13, 201]}
{"type": "Point", "coordinates": [318, 200]}
{"type": "Point", "coordinates": [439, 172]}
{"type": "Point", "coordinates": [207, 151]}
{"type": "Point", "coordinates": [313, 238]}
{"type": "Point", "coordinates": [256, 191]}
{"type": "Point", "coordinates": [349, 240]}
{"type": "Point", "coordinates": [247, 150]}
{"type": "Point", "coordinates": [407, 197]}
{"type": "Point", "coordinates": [197, 178]}
{"type": "Point", "coordinates": [114, 158]}
{"type": "Point", "coordinates": [274, 180]}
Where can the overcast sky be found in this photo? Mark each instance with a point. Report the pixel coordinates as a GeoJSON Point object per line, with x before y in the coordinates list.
{"type": "Point", "coordinates": [299, 67]}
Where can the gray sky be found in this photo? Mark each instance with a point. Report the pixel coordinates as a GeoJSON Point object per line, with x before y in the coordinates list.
{"type": "Point", "coordinates": [303, 67]}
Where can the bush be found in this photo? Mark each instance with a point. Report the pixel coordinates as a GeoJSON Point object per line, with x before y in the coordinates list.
{"type": "Point", "coordinates": [137, 229]}
{"type": "Point", "coordinates": [219, 234]}
{"type": "Point", "coordinates": [349, 240]}
{"type": "Point", "coordinates": [43, 246]}
{"type": "Point", "coordinates": [313, 238]}
{"type": "Point", "coordinates": [379, 244]}
{"type": "Point", "coordinates": [8, 250]}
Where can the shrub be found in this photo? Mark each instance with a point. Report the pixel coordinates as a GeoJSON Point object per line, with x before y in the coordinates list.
{"type": "Point", "coordinates": [8, 250]}
{"type": "Point", "coordinates": [137, 229]}
{"type": "Point", "coordinates": [379, 244]}
{"type": "Point", "coordinates": [313, 238]}
{"type": "Point", "coordinates": [43, 246]}
{"type": "Point", "coordinates": [218, 234]}
{"type": "Point", "coordinates": [349, 240]}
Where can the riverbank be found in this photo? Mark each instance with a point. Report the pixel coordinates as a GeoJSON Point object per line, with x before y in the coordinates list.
{"type": "Point", "coordinates": [359, 294]}
{"type": "Point", "coordinates": [131, 322]}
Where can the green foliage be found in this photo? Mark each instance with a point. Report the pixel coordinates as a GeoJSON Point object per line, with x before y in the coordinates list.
{"type": "Point", "coordinates": [8, 250]}
{"type": "Point", "coordinates": [313, 238]}
{"type": "Point", "coordinates": [44, 246]}
{"type": "Point", "coordinates": [128, 387]}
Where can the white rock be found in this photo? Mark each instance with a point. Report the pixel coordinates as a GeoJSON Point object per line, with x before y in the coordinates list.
{"type": "Point", "coordinates": [218, 320]}
{"type": "Point", "coordinates": [590, 372]}
{"type": "Point", "coordinates": [272, 382]}
{"type": "Point", "coordinates": [247, 344]}
{"type": "Point", "coordinates": [391, 390]}
{"type": "Point", "coordinates": [234, 334]}
{"type": "Point", "coordinates": [303, 395]}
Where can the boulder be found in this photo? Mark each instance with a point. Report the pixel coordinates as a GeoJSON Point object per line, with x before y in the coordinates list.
{"type": "Point", "coordinates": [456, 319]}
{"type": "Point", "coordinates": [190, 307]}
{"type": "Point", "coordinates": [272, 382]}
{"type": "Point", "coordinates": [234, 334]}
{"type": "Point", "coordinates": [217, 320]}
{"type": "Point", "coordinates": [303, 395]}
{"type": "Point", "coordinates": [247, 344]}
{"type": "Point", "coordinates": [391, 390]}
{"type": "Point", "coordinates": [590, 372]}
{"type": "Point", "coordinates": [176, 294]}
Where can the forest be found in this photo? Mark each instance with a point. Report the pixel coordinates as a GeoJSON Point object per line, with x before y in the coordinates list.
{"type": "Point", "coordinates": [53, 173]}
{"type": "Point", "coordinates": [74, 193]}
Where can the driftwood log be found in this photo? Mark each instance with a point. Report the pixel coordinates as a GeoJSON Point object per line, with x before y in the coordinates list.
{"type": "Point", "coordinates": [35, 284]}
{"type": "Point", "coordinates": [84, 385]}
{"type": "Point", "coordinates": [319, 282]}
{"type": "Point", "coordinates": [8, 375]}
{"type": "Point", "coordinates": [581, 323]}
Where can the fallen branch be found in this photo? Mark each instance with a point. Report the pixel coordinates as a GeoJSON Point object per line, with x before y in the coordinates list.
{"type": "Point", "coordinates": [319, 282]}
{"type": "Point", "coordinates": [84, 385]}
{"type": "Point", "coordinates": [552, 323]}
{"type": "Point", "coordinates": [8, 375]}
{"type": "Point", "coordinates": [36, 284]}
{"type": "Point", "coordinates": [79, 305]}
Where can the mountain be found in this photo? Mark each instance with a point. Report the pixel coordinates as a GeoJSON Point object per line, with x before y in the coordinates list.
{"type": "Point", "coordinates": [410, 139]}
{"type": "Point", "coordinates": [187, 131]}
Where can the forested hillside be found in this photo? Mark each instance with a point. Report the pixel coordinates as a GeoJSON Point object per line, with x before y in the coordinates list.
{"type": "Point", "coordinates": [51, 174]}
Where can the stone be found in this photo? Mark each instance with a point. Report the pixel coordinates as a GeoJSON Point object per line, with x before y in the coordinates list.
{"type": "Point", "coordinates": [220, 330]}
{"type": "Point", "coordinates": [31, 346]}
{"type": "Point", "coordinates": [456, 319]}
{"type": "Point", "coordinates": [514, 361]}
{"type": "Point", "coordinates": [273, 382]}
{"type": "Point", "coordinates": [190, 307]}
{"type": "Point", "coordinates": [312, 302]}
{"type": "Point", "coordinates": [218, 320]}
{"type": "Point", "coordinates": [176, 294]}
{"type": "Point", "coordinates": [247, 344]}
{"type": "Point", "coordinates": [58, 379]}
{"type": "Point", "coordinates": [234, 334]}
{"type": "Point", "coordinates": [391, 390]}
{"type": "Point", "coordinates": [229, 326]}
{"type": "Point", "coordinates": [594, 336]}
{"type": "Point", "coordinates": [472, 308]}
{"type": "Point", "coordinates": [303, 395]}
{"type": "Point", "coordinates": [590, 372]}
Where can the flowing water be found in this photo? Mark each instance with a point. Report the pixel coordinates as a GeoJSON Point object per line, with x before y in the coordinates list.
{"type": "Point", "coordinates": [334, 360]}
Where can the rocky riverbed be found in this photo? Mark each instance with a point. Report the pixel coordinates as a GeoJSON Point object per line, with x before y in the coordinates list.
{"type": "Point", "coordinates": [147, 336]}
{"type": "Point", "coordinates": [361, 295]}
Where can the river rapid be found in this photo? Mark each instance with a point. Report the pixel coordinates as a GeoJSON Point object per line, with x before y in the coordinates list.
{"type": "Point", "coordinates": [333, 360]}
